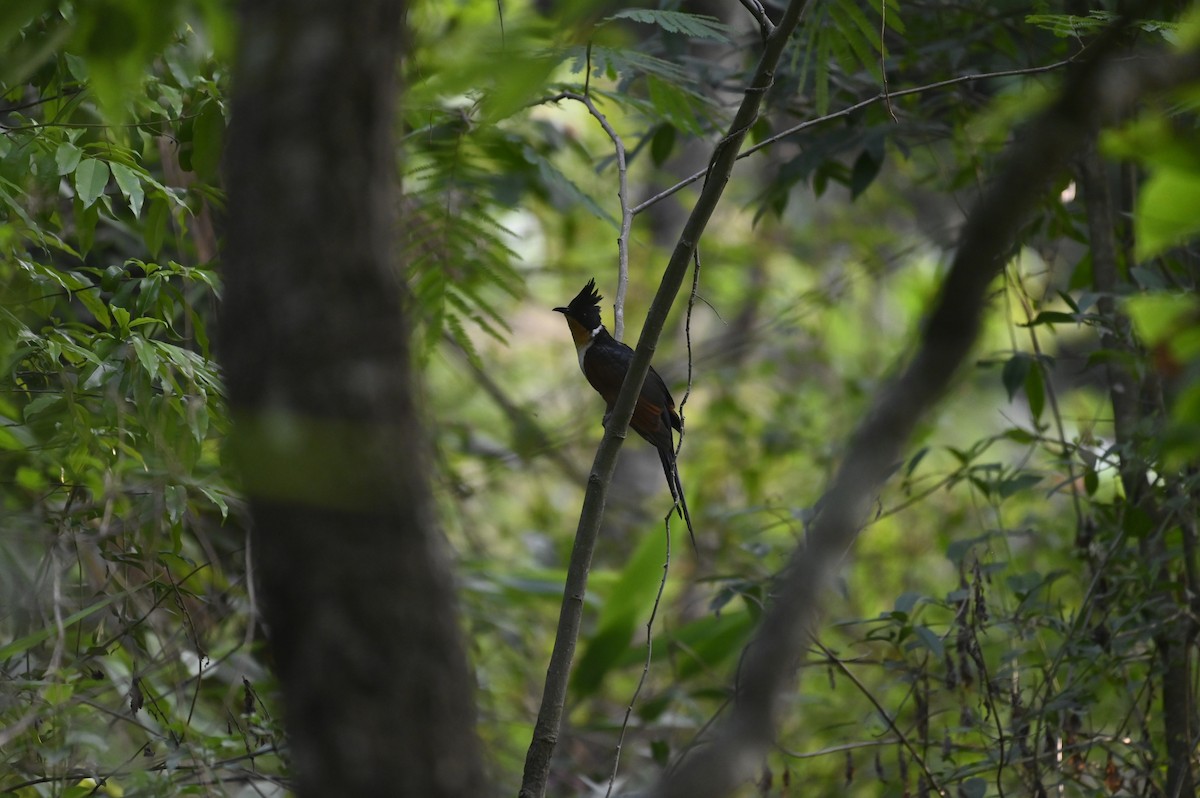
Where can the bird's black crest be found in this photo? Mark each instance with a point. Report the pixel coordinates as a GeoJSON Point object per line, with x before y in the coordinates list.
{"type": "Point", "coordinates": [587, 298]}
{"type": "Point", "coordinates": [585, 307]}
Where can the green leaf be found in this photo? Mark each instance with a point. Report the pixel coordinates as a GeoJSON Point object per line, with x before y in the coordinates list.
{"type": "Point", "coordinates": [1017, 435]}
{"type": "Point", "coordinates": [9, 441]}
{"type": "Point", "coordinates": [1158, 317]}
{"type": "Point", "coordinates": [602, 653]}
{"type": "Point", "coordinates": [23, 53]}
{"type": "Point", "coordinates": [197, 416]}
{"type": "Point", "coordinates": [821, 80]}
{"type": "Point", "coordinates": [16, 14]}
{"type": "Point", "coordinates": [31, 479]}
{"type": "Point", "coordinates": [95, 305]}
{"type": "Point", "coordinates": [866, 167]}
{"type": "Point", "coordinates": [131, 186]}
{"type": "Point", "coordinates": [695, 26]}
{"type": "Point", "coordinates": [957, 551]}
{"type": "Point", "coordinates": [1053, 317]}
{"type": "Point", "coordinates": [524, 80]}
{"type": "Point", "coordinates": [1070, 301]}
{"type": "Point", "coordinates": [660, 752]}
{"type": "Point", "coordinates": [77, 67]}
{"type": "Point", "coordinates": [1035, 392]}
{"type": "Point", "coordinates": [58, 693]}
{"type": "Point", "coordinates": [156, 225]}
{"type": "Point", "coordinates": [906, 602]}
{"type": "Point", "coordinates": [710, 641]}
{"type": "Point", "coordinates": [854, 39]}
{"type": "Point", "coordinates": [67, 157]}
{"type": "Point", "coordinates": [892, 18]}
{"type": "Point", "coordinates": [626, 606]}
{"type": "Point", "coordinates": [974, 788]}
{"type": "Point", "coordinates": [930, 640]}
{"type": "Point", "coordinates": [208, 140]}
{"type": "Point", "coordinates": [121, 317]}
{"type": "Point", "coordinates": [1013, 485]}
{"type": "Point", "coordinates": [662, 143]}
{"type": "Point", "coordinates": [1182, 441]}
{"type": "Point", "coordinates": [681, 107]}
{"type": "Point", "coordinates": [915, 460]}
{"type": "Point", "coordinates": [1165, 214]}
{"type": "Point", "coordinates": [86, 218]}
{"type": "Point", "coordinates": [145, 354]}
{"type": "Point", "coordinates": [91, 178]}
{"type": "Point", "coordinates": [553, 177]}
{"type": "Point", "coordinates": [1026, 583]}
{"type": "Point", "coordinates": [216, 498]}
{"type": "Point", "coordinates": [1137, 522]}
{"type": "Point", "coordinates": [40, 403]}
{"type": "Point", "coordinates": [176, 501]}
{"type": "Point", "coordinates": [1014, 373]}
{"type": "Point", "coordinates": [1070, 25]}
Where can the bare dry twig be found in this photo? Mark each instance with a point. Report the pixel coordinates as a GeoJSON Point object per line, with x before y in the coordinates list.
{"type": "Point", "coordinates": [622, 196]}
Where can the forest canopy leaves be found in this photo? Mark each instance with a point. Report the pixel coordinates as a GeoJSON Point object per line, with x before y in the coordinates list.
{"type": "Point", "coordinates": [1021, 572]}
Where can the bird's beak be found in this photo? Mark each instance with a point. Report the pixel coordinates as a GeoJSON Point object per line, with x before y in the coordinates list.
{"type": "Point", "coordinates": [560, 310]}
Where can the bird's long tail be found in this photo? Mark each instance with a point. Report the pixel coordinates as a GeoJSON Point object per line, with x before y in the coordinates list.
{"type": "Point", "coordinates": [667, 456]}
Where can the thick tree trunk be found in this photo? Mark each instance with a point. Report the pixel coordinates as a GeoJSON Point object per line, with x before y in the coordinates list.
{"type": "Point", "coordinates": [357, 595]}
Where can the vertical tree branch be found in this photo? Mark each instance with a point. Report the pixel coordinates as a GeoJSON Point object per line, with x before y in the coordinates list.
{"type": "Point", "coordinates": [623, 198]}
{"type": "Point", "coordinates": [549, 722]}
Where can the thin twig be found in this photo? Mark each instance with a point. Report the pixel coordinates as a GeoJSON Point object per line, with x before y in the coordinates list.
{"type": "Point", "coordinates": [883, 58]}
{"type": "Point", "coordinates": [1052, 395]}
{"type": "Point", "coordinates": [42, 100]}
{"type": "Point", "coordinates": [523, 424]}
{"type": "Point", "coordinates": [687, 334]}
{"type": "Point", "coordinates": [587, 73]}
{"type": "Point", "coordinates": [100, 125]}
{"type": "Point", "coordinates": [847, 111]}
{"type": "Point", "coordinates": [622, 196]}
{"type": "Point", "coordinates": [835, 749]}
{"type": "Point", "coordinates": [883, 713]}
{"type": "Point", "coordinates": [36, 709]}
{"type": "Point", "coordinates": [756, 9]}
{"type": "Point", "coordinates": [662, 585]}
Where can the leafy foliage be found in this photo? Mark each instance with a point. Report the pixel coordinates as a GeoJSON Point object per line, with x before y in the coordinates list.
{"type": "Point", "coordinates": [126, 595]}
{"type": "Point", "coordinates": [694, 26]}
{"type": "Point", "coordinates": [1002, 626]}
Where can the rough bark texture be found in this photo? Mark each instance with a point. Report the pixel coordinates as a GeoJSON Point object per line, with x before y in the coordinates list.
{"type": "Point", "coordinates": [357, 597]}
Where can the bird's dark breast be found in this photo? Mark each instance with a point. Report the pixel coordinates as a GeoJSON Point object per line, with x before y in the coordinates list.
{"type": "Point", "coordinates": [605, 368]}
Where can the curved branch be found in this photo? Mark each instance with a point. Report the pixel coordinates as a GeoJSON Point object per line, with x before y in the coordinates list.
{"type": "Point", "coordinates": [847, 111]}
{"type": "Point", "coordinates": [626, 212]}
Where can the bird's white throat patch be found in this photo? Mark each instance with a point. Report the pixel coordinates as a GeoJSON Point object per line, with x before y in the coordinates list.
{"type": "Point", "coordinates": [581, 349]}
